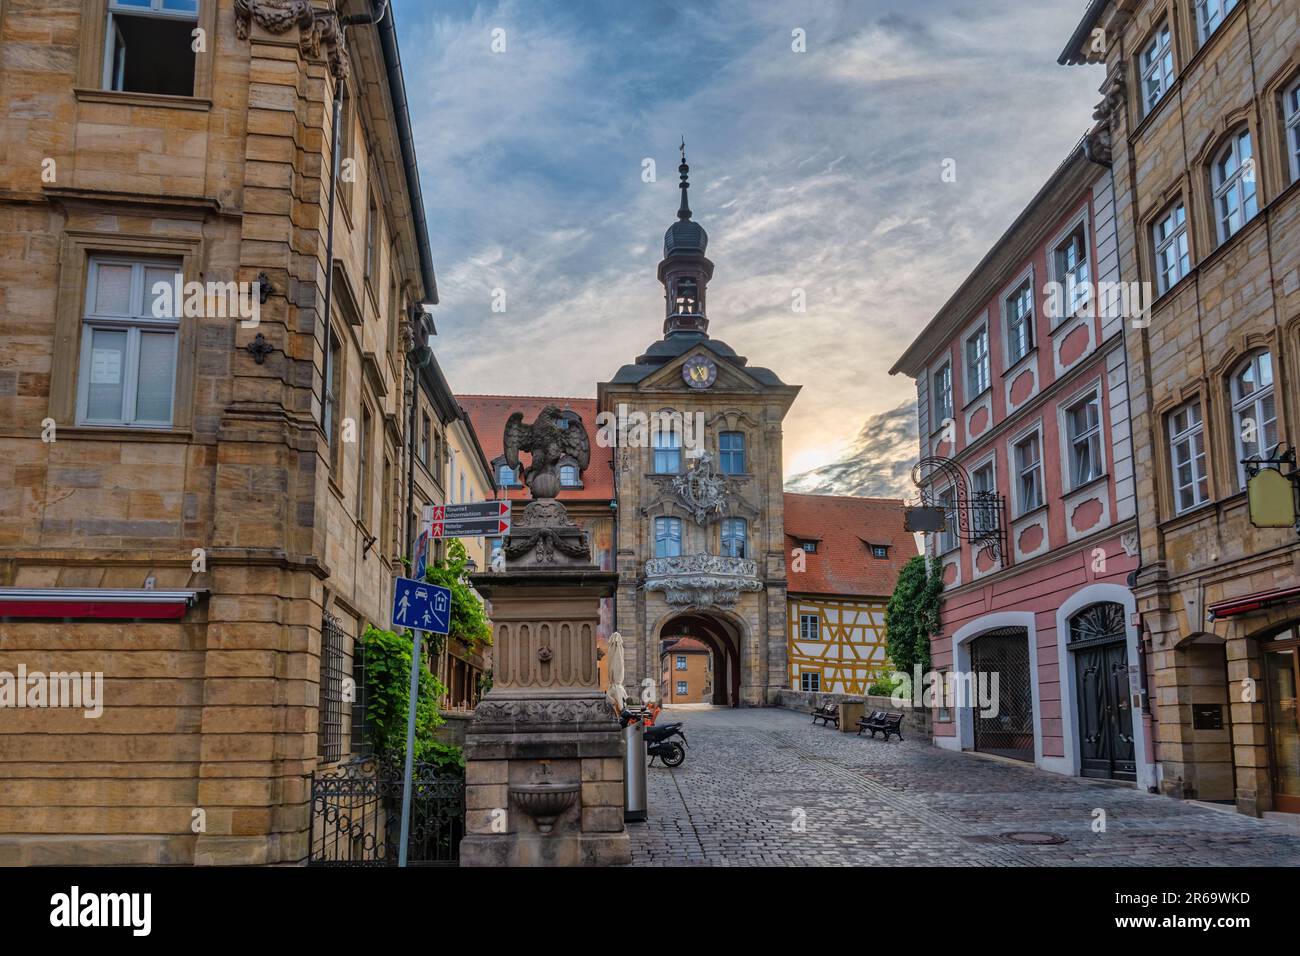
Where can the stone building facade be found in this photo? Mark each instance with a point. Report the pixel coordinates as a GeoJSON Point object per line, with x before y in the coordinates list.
{"type": "Point", "coordinates": [696, 433]}
{"type": "Point", "coordinates": [200, 508]}
{"type": "Point", "coordinates": [1201, 123]}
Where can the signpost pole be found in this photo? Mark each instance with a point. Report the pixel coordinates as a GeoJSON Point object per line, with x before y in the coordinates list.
{"type": "Point", "coordinates": [410, 748]}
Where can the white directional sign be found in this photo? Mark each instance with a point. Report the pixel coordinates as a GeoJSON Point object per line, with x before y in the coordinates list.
{"type": "Point", "coordinates": [469, 520]}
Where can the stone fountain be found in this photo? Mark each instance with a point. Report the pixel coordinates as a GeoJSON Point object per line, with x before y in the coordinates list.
{"type": "Point", "coordinates": [543, 754]}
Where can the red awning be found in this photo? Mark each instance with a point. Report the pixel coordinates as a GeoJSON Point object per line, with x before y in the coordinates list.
{"type": "Point", "coordinates": [1252, 602]}
{"type": "Point", "coordinates": [96, 604]}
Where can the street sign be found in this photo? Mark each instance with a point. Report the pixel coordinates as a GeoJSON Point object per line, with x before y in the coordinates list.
{"type": "Point", "coordinates": [476, 519]}
{"type": "Point", "coordinates": [421, 606]}
{"type": "Point", "coordinates": [924, 519]}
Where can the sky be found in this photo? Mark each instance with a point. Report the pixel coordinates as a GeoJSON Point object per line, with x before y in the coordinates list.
{"type": "Point", "coordinates": [819, 170]}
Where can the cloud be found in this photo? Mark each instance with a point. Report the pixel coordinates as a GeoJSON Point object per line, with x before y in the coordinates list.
{"type": "Point", "coordinates": [877, 463]}
{"type": "Point", "coordinates": [816, 171]}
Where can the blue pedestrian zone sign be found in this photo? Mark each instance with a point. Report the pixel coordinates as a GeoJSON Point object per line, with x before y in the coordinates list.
{"type": "Point", "coordinates": [421, 606]}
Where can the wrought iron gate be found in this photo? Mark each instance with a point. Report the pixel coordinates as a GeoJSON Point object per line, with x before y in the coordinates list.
{"type": "Point", "coordinates": [1009, 732]}
{"type": "Point", "coordinates": [356, 815]}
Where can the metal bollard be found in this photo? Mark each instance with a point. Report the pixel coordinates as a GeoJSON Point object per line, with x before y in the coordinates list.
{"type": "Point", "coordinates": [634, 759]}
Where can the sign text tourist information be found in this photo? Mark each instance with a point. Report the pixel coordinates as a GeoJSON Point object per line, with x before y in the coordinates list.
{"type": "Point", "coordinates": [421, 606]}
{"type": "Point", "coordinates": [470, 520]}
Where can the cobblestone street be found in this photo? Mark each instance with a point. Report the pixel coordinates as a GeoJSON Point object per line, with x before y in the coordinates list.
{"type": "Point", "coordinates": [765, 787]}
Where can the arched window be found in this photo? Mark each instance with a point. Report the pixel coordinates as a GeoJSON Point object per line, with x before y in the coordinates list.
{"type": "Point", "coordinates": [1254, 410]}
{"type": "Point", "coordinates": [668, 537]}
{"type": "Point", "coordinates": [687, 297]}
{"type": "Point", "coordinates": [506, 477]}
{"type": "Point", "coordinates": [1233, 175]}
{"type": "Point", "coordinates": [569, 476]}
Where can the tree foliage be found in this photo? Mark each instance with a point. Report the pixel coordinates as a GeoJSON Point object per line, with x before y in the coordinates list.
{"type": "Point", "coordinates": [388, 692]}
{"type": "Point", "coordinates": [469, 620]}
{"type": "Point", "coordinates": [912, 616]}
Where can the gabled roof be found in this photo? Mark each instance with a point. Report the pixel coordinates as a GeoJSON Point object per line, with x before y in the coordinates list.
{"type": "Point", "coordinates": [488, 413]}
{"type": "Point", "coordinates": [684, 645]}
{"type": "Point", "coordinates": [662, 352]}
{"type": "Point", "coordinates": [844, 528]}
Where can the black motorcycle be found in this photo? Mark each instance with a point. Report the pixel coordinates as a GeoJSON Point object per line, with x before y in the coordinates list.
{"type": "Point", "coordinates": [658, 738]}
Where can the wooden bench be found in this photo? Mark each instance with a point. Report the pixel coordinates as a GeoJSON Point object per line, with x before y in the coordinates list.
{"type": "Point", "coordinates": [880, 721]}
{"type": "Point", "coordinates": [828, 714]}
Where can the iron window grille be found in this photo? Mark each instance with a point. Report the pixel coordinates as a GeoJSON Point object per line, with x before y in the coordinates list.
{"type": "Point", "coordinates": [331, 688]}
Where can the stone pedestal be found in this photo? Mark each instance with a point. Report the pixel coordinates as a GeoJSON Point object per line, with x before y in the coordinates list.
{"type": "Point", "coordinates": [543, 754]}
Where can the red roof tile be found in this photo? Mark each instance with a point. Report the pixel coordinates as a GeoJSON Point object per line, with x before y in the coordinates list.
{"type": "Point", "coordinates": [489, 414]}
{"type": "Point", "coordinates": [843, 528]}
{"type": "Point", "coordinates": [684, 645]}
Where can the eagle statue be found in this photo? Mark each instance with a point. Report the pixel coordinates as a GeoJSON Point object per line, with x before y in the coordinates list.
{"type": "Point", "coordinates": [555, 437]}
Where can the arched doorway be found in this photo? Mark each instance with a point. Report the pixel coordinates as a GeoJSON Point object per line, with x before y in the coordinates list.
{"type": "Point", "coordinates": [1006, 730]}
{"type": "Point", "coordinates": [1098, 641]}
{"type": "Point", "coordinates": [723, 641]}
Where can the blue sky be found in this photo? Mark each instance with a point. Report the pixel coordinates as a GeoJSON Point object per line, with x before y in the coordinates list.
{"type": "Point", "coordinates": [819, 170]}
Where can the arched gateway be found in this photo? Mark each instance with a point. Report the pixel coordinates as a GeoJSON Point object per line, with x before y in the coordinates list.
{"type": "Point", "coordinates": [696, 435]}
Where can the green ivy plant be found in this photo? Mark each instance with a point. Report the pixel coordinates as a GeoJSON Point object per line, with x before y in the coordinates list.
{"type": "Point", "coordinates": [388, 691]}
{"type": "Point", "coordinates": [912, 616]}
{"type": "Point", "coordinates": [469, 620]}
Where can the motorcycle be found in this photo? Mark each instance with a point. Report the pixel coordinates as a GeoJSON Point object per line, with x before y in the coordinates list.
{"type": "Point", "coordinates": [658, 738]}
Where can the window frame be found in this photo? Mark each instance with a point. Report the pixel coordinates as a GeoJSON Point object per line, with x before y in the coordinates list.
{"type": "Point", "coordinates": [1171, 241]}
{"type": "Point", "coordinates": [1013, 318]}
{"type": "Point", "coordinates": [682, 687]}
{"type": "Point", "coordinates": [1222, 185]}
{"type": "Point", "coordinates": [942, 373]}
{"type": "Point", "coordinates": [1092, 432]}
{"type": "Point", "coordinates": [1193, 435]}
{"type": "Point", "coordinates": [1076, 303]}
{"type": "Point", "coordinates": [1291, 127]}
{"type": "Point", "coordinates": [1241, 402]}
{"type": "Point", "coordinates": [1021, 469]}
{"type": "Point", "coordinates": [724, 453]}
{"type": "Point", "coordinates": [155, 10]}
{"type": "Point", "coordinates": [333, 383]}
{"type": "Point", "coordinates": [679, 662]}
{"type": "Point", "coordinates": [980, 520]}
{"type": "Point", "coordinates": [656, 449]}
{"type": "Point", "coordinates": [810, 682]}
{"type": "Point", "coordinates": [727, 532]}
{"type": "Point", "coordinates": [365, 434]}
{"type": "Point", "coordinates": [672, 532]}
{"type": "Point", "coordinates": [1204, 30]}
{"type": "Point", "coordinates": [810, 627]}
{"type": "Point", "coordinates": [980, 332]}
{"type": "Point", "coordinates": [135, 322]}
{"type": "Point", "coordinates": [949, 539]}
{"type": "Point", "coordinates": [1156, 61]}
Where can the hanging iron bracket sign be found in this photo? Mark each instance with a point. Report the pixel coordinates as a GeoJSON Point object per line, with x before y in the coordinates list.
{"type": "Point", "coordinates": [980, 514]}
{"type": "Point", "coordinates": [1273, 495]}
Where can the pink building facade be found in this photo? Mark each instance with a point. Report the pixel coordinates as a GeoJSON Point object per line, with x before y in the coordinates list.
{"type": "Point", "coordinates": [1022, 402]}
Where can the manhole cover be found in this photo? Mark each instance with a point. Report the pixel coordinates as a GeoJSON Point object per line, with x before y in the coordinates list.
{"type": "Point", "coordinates": [1034, 839]}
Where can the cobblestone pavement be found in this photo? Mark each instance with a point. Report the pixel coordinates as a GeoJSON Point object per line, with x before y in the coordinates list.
{"type": "Point", "coordinates": [751, 777]}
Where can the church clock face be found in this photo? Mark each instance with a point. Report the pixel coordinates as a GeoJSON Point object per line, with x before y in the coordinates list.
{"type": "Point", "coordinates": [699, 372]}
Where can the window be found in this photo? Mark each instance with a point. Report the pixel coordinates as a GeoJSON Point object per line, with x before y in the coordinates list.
{"type": "Point", "coordinates": [1172, 258]}
{"type": "Point", "coordinates": [147, 46]}
{"type": "Point", "coordinates": [129, 331]}
{"type": "Point", "coordinates": [977, 363]}
{"type": "Point", "coordinates": [809, 627]}
{"type": "Point", "coordinates": [1254, 410]}
{"type": "Point", "coordinates": [1020, 323]}
{"type": "Point", "coordinates": [668, 451]}
{"type": "Point", "coordinates": [668, 537]}
{"type": "Point", "coordinates": [385, 509]}
{"type": "Point", "coordinates": [569, 476]}
{"type": "Point", "coordinates": [1187, 455]}
{"type": "Point", "coordinates": [462, 488]}
{"type": "Point", "coordinates": [333, 394]}
{"type": "Point", "coordinates": [372, 237]}
{"type": "Point", "coordinates": [363, 467]}
{"type": "Point", "coordinates": [942, 395]}
{"type": "Point", "coordinates": [1234, 186]}
{"type": "Point", "coordinates": [426, 428]}
{"type": "Point", "coordinates": [681, 688]}
{"type": "Point", "coordinates": [1083, 428]}
{"type": "Point", "coordinates": [809, 547]}
{"type": "Point", "coordinates": [810, 681]}
{"type": "Point", "coordinates": [880, 551]}
{"type": "Point", "coordinates": [347, 153]}
{"type": "Point", "coordinates": [731, 453]}
{"type": "Point", "coordinates": [947, 499]}
{"type": "Point", "coordinates": [506, 477]}
{"type": "Point", "coordinates": [1210, 13]}
{"type": "Point", "coordinates": [1029, 473]}
{"type": "Point", "coordinates": [1157, 68]}
{"type": "Point", "coordinates": [333, 667]}
{"type": "Point", "coordinates": [983, 510]}
{"type": "Point", "coordinates": [733, 537]}
{"type": "Point", "coordinates": [1071, 258]}
{"type": "Point", "coordinates": [681, 662]}
{"type": "Point", "coordinates": [1291, 110]}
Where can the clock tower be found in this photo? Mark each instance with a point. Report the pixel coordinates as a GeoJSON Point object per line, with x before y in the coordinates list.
{"type": "Point", "coordinates": [699, 492]}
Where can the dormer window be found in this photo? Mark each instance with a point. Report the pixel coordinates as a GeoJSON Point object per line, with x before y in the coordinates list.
{"type": "Point", "coordinates": [809, 547]}
{"type": "Point", "coordinates": [506, 476]}
{"type": "Point", "coordinates": [880, 551]}
{"type": "Point", "coordinates": [569, 476]}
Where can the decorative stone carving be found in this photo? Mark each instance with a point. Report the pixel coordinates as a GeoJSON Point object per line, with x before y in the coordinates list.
{"type": "Point", "coordinates": [551, 439]}
{"type": "Point", "coordinates": [1100, 137]}
{"type": "Point", "coordinates": [702, 490]}
{"type": "Point", "coordinates": [545, 536]}
{"type": "Point", "coordinates": [542, 711]}
{"type": "Point", "coordinates": [702, 580]}
{"type": "Point", "coordinates": [315, 28]}
{"type": "Point", "coordinates": [1129, 542]}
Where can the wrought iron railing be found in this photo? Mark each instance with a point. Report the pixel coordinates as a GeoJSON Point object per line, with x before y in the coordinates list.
{"type": "Point", "coordinates": [980, 515]}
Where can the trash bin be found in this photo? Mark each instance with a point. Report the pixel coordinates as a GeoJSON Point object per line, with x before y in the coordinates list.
{"type": "Point", "coordinates": [634, 802]}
